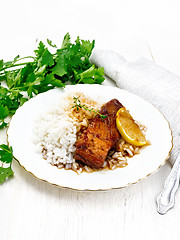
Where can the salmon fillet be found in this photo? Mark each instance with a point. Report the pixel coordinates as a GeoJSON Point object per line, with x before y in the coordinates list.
{"type": "Point", "coordinates": [100, 136]}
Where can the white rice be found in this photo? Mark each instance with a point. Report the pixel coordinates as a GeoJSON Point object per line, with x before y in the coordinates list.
{"type": "Point", "coordinates": [55, 132]}
{"type": "Point", "coordinates": [57, 136]}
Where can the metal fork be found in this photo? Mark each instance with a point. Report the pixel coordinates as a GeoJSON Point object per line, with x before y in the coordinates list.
{"type": "Point", "coordinates": [166, 198]}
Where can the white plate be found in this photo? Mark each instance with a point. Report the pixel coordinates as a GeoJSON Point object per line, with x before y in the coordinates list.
{"type": "Point", "coordinates": [139, 167]}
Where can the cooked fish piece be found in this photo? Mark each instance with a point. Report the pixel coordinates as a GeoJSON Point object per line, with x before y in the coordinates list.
{"type": "Point", "coordinates": [100, 136]}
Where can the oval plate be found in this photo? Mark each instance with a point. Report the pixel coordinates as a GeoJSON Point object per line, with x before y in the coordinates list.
{"type": "Point", "coordinates": [150, 159]}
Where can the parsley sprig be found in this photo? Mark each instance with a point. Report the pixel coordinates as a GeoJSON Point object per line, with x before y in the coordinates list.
{"type": "Point", "coordinates": [6, 156]}
{"type": "Point", "coordinates": [23, 78]}
{"type": "Point", "coordinates": [78, 105]}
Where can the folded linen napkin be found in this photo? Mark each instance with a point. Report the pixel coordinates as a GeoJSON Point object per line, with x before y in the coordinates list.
{"type": "Point", "coordinates": [150, 81]}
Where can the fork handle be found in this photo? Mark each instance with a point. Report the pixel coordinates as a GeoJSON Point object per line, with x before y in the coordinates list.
{"type": "Point", "coordinates": [166, 198]}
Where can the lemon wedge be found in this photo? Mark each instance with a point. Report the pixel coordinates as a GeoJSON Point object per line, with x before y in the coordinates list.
{"type": "Point", "coordinates": [129, 129]}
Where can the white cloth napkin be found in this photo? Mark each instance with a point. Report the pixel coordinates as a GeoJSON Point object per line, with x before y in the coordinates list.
{"type": "Point", "coordinates": [148, 80]}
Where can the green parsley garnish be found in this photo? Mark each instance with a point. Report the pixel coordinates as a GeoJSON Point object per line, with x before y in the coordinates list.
{"type": "Point", "coordinates": [78, 105]}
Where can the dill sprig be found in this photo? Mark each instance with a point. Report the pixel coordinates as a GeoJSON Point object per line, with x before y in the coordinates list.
{"type": "Point", "coordinates": [78, 105]}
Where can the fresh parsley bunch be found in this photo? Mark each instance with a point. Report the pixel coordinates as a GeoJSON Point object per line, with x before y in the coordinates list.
{"type": "Point", "coordinates": [21, 80]}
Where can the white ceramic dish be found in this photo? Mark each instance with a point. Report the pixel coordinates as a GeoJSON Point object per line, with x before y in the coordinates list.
{"type": "Point", "coordinates": [151, 158]}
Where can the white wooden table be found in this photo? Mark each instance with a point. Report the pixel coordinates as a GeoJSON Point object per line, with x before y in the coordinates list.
{"type": "Point", "coordinates": [31, 209]}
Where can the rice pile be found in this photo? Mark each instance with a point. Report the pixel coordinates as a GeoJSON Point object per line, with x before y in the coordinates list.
{"type": "Point", "coordinates": [56, 132]}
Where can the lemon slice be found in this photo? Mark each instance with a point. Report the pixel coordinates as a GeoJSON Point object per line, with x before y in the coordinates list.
{"type": "Point", "coordinates": [129, 130]}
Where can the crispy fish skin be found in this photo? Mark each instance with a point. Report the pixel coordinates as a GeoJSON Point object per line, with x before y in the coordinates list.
{"type": "Point", "coordinates": [100, 136]}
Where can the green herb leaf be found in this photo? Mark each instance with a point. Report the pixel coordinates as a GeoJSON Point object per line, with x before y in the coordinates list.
{"type": "Point", "coordinates": [6, 154]}
{"type": "Point", "coordinates": [40, 71]}
{"type": "Point", "coordinates": [23, 100]}
{"type": "Point", "coordinates": [50, 79]}
{"type": "Point", "coordinates": [47, 59]}
{"type": "Point", "coordinates": [66, 41]}
{"type": "Point", "coordinates": [50, 43]}
{"type": "Point", "coordinates": [30, 91]}
{"type": "Point", "coordinates": [1, 63]}
{"type": "Point", "coordinates": [87, 47]}
{"type": "Point", "coordinates": [92, 75]}
{"type": "Point", "coordinates": [40, 50]}
{"type": "Point", "coordinates": [59, 69]}
{"type": "Point", "coordinates": [3, 112]}
{"type": "Point", "coordinates": [5, 173]}
{"type": "Point", "coordinates": [99, 75]}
